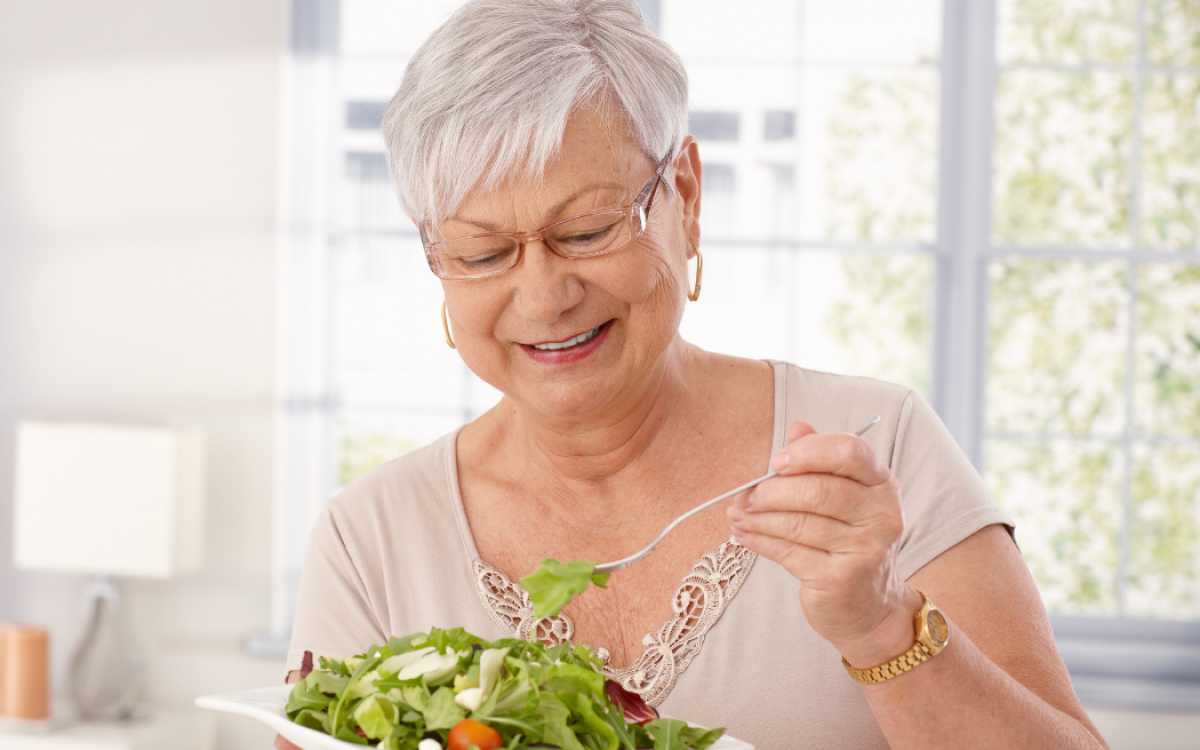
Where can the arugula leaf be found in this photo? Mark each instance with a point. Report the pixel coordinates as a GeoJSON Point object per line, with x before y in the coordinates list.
{"type": "Point", "coordinates": [582, 706]}
{"type": "Point", "coordinates": [555, 716]}
{"type": "Point", "coordinates": [665, 733]}
{"type": "Point", "coordinates": [698, 738]}
{"type": "Point", "coordinates": [673, 734]}
{"type": "Point", "coordinates": [306, 696]}
{"type": "Point", "coordinates": [554, 584]}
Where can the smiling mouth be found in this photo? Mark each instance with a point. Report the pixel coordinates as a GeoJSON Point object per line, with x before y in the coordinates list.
{"type": "Point", "coordinates": [582, 338]}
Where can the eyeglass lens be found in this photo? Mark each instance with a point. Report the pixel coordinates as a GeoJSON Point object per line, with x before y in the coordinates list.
{"type": "Point", "coordinates": [593, 234]}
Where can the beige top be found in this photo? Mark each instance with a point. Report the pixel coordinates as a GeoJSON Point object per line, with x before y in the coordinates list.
{"type": "Point", "coordinates": [393, 554]}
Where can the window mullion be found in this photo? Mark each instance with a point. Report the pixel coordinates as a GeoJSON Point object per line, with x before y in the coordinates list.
{"type": "Point", "coordinates": [964, 219]}
{"type": "Point", "coordinates": [1135, 221]}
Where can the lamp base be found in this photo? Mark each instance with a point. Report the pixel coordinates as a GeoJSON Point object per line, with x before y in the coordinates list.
{"type": "Point", "coordinates": [104, 679]}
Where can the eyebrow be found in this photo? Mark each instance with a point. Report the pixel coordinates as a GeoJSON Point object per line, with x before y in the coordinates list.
{"type": "Point", "coordinates": [555, 210]}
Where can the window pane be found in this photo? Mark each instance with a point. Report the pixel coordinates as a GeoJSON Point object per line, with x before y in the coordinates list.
{"type": "Point", "coordinates": [1164, 533]}
{"type": "Point", "coordinates": [1057, 347]}
{"type": "Point", "coordinates": [872, 31]}
{"type": "Point", "coordinates": [869, 155]}
{"type": "Point", "coordinates": [386, 27]}
{"type": "Point", "coordinates": [1067, 31]}
{"type": "Point", "coordinates": [1062, 158]}
{"type": "Point", "coordinates": [1171, 162]}
{"type": "Point", "coordinates": [1173, 32]}
{"type": "Point", "coordinates": [866, 314]}
{"type": "Point", "coordinates": [883, 320]}
{"type": "Point", "coordinates": [388, 350]}
{"type": "Point", "coordinates": [366, 438]}
{"type": "Point", "coordinates": [1167, 381]}
{"type": "Point", "coordinates": [1065, 499]}
{"type": "Point", "coordinates": [718, 29]}
{"type": "Point", "coordinates": [366, 197]}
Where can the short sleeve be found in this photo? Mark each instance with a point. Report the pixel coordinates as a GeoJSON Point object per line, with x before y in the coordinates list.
{"type": "Point", "coordinates": [334, 617]}
{"type": "Point", "coordinates": [944, 498]}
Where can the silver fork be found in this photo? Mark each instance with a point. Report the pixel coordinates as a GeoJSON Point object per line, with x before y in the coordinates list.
{"type": "Point", "coordinates": [625, 562]}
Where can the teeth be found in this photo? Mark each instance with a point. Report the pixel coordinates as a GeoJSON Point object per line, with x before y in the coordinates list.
{"type": "Point", "coordinates": [569, 342]}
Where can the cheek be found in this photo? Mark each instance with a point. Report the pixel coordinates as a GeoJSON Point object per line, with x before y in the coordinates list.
{"type": "Point", "coordinates": [654, 281]}
{"type": "Point", "coordinates": [473, 310]}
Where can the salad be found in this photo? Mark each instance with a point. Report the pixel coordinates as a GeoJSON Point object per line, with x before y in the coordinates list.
{"type": "Point", "coordinates": [450, 690]}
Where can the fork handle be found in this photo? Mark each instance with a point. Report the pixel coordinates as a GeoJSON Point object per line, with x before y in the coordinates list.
{"type": "Point", "coordinates": [625, 562]}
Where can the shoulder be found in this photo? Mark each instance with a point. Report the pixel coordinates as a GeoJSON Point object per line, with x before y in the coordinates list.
{"type": "Point", "coordinates": [830, 401]}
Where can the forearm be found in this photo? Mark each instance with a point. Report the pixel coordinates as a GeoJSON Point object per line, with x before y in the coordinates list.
{"type": "Point", "coordinates": [961, 699]}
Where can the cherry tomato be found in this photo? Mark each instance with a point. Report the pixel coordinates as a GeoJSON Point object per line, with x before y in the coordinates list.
{"type": "Point", "coordinates": [470, 732]}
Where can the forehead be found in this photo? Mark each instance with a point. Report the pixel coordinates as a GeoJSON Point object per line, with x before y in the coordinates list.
{"type": "Point", "coordinates": [598, 161]}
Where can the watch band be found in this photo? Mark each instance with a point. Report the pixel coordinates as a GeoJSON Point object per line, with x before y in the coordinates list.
{"type": "Point", "coordinates": [930, 642]}
{"type": "Point", "coordinates": [898, 666]}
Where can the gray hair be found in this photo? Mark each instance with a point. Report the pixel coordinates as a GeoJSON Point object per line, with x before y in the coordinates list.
{"type": "Point", "coordinates": [488, 95]}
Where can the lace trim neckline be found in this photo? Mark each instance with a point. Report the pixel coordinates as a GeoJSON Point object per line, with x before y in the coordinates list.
{"type": "Point", "coordinates": [699, 602]}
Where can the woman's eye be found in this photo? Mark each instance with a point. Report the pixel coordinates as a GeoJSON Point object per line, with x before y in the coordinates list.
{"type": "Point", "coordinates": [474, 256]}
{"type": "Point", "coordinates": [590, 236]}
{"type": "Point", "coordinates": [483, 261]}
{"type": "Point", "coordinates": [587, 237]}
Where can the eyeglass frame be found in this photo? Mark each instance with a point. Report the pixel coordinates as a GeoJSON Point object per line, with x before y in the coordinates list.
{"type": "Point", "coordinates": [642, 204]}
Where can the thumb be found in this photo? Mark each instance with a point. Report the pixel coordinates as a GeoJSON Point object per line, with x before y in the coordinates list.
{"type": "Point", "coordinates": [800, 429]}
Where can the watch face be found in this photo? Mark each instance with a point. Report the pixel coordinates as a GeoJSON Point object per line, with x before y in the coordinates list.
{"type": "Point", "coordinates": [937, 626]}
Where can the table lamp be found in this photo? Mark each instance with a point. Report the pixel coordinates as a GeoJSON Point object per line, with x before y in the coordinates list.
{"type": "Point", "coordinates": [107, 500]}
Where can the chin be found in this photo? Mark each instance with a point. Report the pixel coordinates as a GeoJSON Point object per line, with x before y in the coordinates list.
{"type": "Point", "coordinates": [572, 400]}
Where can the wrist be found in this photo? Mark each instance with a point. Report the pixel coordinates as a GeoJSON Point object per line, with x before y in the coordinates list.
{"type": "Point", "coordinates": [892, 637]}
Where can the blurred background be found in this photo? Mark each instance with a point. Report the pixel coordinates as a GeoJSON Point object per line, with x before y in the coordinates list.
{"type": "Point", "coordinates": [995, 202]}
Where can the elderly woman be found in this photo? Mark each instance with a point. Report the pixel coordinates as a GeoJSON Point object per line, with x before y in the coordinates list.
{"type": "Point", "coordinates": [540, 147]}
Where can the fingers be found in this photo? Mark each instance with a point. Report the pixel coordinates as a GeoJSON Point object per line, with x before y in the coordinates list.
{"type": "Point", "coordinates": [799, 429]}
{"type": "Point", "coordinates": [282, 744]}
{"type": "Point", "coordinates": [805, 529]}
{"type": "Point", "coordinates": [843, 499]}
{"type": "Point", "coordinates": [802, 562]}
{"type": "Point", "coordinates": [837, 453]}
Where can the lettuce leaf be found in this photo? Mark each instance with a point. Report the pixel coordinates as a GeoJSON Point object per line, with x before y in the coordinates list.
{"type": "Point", "coordinates": [442, 712]}
{"type": "Point", "coordinates": [554, 584]}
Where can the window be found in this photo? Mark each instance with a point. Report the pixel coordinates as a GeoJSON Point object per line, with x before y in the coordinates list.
{"type": "Point", "coordinates": [996, 202]}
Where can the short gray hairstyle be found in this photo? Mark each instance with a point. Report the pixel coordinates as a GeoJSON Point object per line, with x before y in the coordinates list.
{"type": "Point", "coordinates": [488, 95]}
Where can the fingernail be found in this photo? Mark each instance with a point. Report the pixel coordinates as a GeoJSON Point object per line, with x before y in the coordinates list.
{"type": "Point", "coordinates": [735, 514]}
{"type": "Point", "coordinates": [781, 460]}
{"type": "Point", "coordinates": [749, 501]}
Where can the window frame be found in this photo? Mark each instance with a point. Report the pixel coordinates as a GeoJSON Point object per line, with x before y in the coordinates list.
{"type": "Point", "coordinates": [1120, 661]}
{"type": "Point", "coordinates": [1113, 661]}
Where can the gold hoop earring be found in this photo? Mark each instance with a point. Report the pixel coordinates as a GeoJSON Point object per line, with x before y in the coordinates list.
{"type": "Point", "coordinates": [446, 327]}
{"type": "Point", "coordinates": [694, 294]}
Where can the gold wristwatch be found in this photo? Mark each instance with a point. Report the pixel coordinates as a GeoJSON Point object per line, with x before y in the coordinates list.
{"type": "Point", "coordinates": [932, 636]}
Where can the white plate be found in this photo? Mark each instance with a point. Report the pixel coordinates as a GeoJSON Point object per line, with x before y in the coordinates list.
{"type": "Point", "coordinates": [267, 704]}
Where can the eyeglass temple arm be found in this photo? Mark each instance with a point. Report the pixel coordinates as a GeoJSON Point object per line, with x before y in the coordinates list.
{"type": "Point", "coordinates": [651, 188]}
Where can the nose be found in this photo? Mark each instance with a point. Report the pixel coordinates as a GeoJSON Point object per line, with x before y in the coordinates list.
{"type": "Point", "coordinates": [545, 285]}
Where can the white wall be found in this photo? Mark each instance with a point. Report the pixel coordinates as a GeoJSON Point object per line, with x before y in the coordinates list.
{"type": "Point", "coordinates": [138, 166]}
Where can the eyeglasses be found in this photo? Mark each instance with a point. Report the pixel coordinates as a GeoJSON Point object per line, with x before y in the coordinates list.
{"type": "Point", "coordinates": [482, 256]}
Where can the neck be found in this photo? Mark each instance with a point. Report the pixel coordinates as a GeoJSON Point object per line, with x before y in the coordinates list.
{"type": "Point", "coordinates": [591, 453]}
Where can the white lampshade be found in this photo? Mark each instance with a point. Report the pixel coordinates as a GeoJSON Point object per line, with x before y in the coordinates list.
{"type": "Point", "coordinates": [109, 499]}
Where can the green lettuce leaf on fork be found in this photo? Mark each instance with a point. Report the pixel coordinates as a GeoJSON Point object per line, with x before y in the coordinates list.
{"type": "Point", "coordinates": [554, 584]}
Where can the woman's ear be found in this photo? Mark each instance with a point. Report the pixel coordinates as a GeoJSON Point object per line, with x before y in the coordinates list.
{"type": "Point", "coordinates": [686, 174]}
